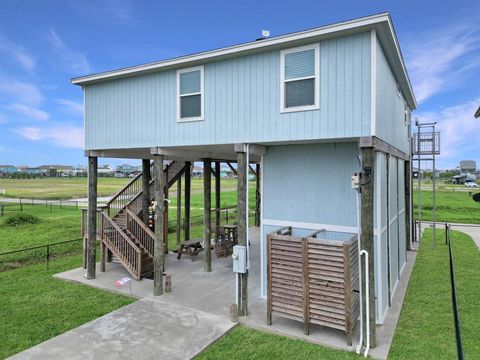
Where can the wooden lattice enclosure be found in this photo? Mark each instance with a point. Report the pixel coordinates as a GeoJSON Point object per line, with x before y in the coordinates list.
{"type": "Point", "coordinates": [313, 280]}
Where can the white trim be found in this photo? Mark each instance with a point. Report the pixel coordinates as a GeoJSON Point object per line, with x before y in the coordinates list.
{"type": "Point", "coordinates": [373, 82]}
{"type": "Point", "coordinates": [316, 77]}
{"type": "Point", "coordinates": [263, 293]}
{"type": "Point", "coordinates": [312, 226]}
{"type": "Point", "coordinates": [201, 93]}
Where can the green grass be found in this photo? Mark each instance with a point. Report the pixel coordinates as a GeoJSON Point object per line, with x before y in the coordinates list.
{"type": "Point", "coordinates": [244, 343]}
{"type": "Point", "coordinates": [68, 188]}
{"type": "Point", "coordinates": [58, 188]}
{"type": "Point", "coordinates": [36, 307]}
{"type": "Point", "coordinates": [450, 206]}
{"type": "Point", "coordinates": [59, 225]}
{"type": "Point", "coordinates": [426, 328]}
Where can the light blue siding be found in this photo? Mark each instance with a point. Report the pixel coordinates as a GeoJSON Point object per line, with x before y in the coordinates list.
{"type": "Point", "coordinates": [402, 235]}
{"type": "Point", "coordinates": [393, 228]}
{"type": "Point", "coordinates": [242, 103]}
{"type": "Point", "coordinates": [390, 107]}
{"type": "Point", "coordinates": [324, 169]}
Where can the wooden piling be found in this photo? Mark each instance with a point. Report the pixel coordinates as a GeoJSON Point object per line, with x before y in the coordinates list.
{"type": "Point", "coordinates": [179, 210]}
{"type": "Point", "coordinates": [92, 216]}
{"type": "Point", "coordinates": [188, 185]}
{"type": "Point", "coordinates": [257, 196]}
{"type": "Point", "coordinates": [146, 177]}
{"type": "Point", "coordinates": [242, 223]}
{"type": "Point", "coordinates": [207, 213]}
{"type": "Point", "coordinates": [366, 238]}
{"type": "Point", "coordinates": [218, 192]}
{"type": "Point", "coordinates": [159, 249]}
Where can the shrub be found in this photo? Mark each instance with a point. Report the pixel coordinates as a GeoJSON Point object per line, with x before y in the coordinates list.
{"type": "Point", "coordinates": [21, 219]}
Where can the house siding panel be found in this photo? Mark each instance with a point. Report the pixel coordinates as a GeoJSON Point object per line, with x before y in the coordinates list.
{"type": "Point", "coordinates": [390, 107]}
{"type": "Point", "coordinates": [242, 103]}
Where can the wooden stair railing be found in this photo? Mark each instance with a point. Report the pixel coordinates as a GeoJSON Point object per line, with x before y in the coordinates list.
{"type": "Point", "coordinates": [124, 249]}
{"type": "Point", "coordinates": [124, 196]}
{"type": "Point", "coordinates": [140, 231]}
{"type": "Point", "coordinates": [174, 170]}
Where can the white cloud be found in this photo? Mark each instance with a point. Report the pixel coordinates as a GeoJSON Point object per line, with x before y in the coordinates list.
{"type": "Point", "coordinates": [71, 106]}
{"type": "Point", "coordinates": [3, 119]}
{"type": "Point", "coordinates": [24, 59]}
{"type": "Point", "coordinates": [458, 131]}
{"type": "Point", "coordinates": [437, 59]}
{"type": "Point", "coordinates": [71, 59]}
{"type": "Point", "coordinates": [65, 136]}
{"type": "Point", "coordinates": [22, 92]}
{"type": "Point", "coordinates": [29, 112]}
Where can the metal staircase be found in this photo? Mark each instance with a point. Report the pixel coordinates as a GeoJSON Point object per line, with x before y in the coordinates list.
{"type": "Point", "coordinates": [122, 230]}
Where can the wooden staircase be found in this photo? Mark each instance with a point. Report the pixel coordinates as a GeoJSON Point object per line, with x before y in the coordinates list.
{"type": "Point", "coordinates": [124, 233]}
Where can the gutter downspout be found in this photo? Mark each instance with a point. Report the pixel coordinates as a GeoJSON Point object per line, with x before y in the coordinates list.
{"type": "Point", "coordinates": [360, 291]}
{"type": "Point", "coordinates": [367, 305]}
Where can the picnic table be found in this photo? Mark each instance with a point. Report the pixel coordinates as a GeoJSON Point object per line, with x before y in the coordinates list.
{"type": "Point", "coordinates": [226, 237]}
{"type": "Point", "coordinates": [190, 247]}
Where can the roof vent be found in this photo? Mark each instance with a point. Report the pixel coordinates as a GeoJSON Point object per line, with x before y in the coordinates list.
{"type": "Point", "coordinates": [265, 34]}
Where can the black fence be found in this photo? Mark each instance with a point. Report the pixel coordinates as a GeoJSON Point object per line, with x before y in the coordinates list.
{"type": "Point", "coordinates": [23, 205]}
{"type": "Point", "coordinates": [16, 258]}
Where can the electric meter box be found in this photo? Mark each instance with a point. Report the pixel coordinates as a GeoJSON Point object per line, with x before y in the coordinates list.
{"type": "Point", "coordinates": [239, 257]}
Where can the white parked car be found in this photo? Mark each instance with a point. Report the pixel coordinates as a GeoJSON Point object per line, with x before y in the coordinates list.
{"type": "Point", "coordinates": [471, 184]}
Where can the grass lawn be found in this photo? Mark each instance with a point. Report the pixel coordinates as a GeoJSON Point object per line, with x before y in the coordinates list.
{"type": "Point", "coordinates": [68, 188]}
{"type": "Point", "coordinates": [36, 307]}
{"type": "Point", "coordinates": [450, 206]}
{"type": "Point", "coordinates": [426, 329]}
{"type": "Point", "coordinates": [59, 225]}
{"type": "Point", "coordinates": [244, 343]}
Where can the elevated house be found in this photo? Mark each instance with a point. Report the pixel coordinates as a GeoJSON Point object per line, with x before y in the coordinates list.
{"type": "Point", "coordinates": [322, 114]}
{"type": "Point", "coordinates": [8, 169]}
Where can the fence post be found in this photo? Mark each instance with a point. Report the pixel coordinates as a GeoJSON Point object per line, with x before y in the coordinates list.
{"type": "Point", "coordinates": [2, 210]}
{"type": "Point", "coordinates": [50, 207]}
{"type": "Point", "coordinates": [76, 205]}
{"type": "Point", "coordinates": [60, 204]}
{"type": "Point", "coordinates": [446, 234]}
{"type": "Point", "coordinates": [46, 203]}
{"type": "Point", "coordinates": [48, 256]}
{"type": "Point", "coordinates": [32, 202]}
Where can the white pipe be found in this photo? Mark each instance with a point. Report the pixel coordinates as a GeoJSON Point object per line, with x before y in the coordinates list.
{"type": "Point", "coordinates": [360, 293]}
{"type": "Point", "coordinates": [246, 223]}
{"type": "Point", "coordinates": [367, 305]}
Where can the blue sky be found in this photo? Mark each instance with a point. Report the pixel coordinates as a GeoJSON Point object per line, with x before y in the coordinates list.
{"type": "Point", "coordinates": [45, 43]}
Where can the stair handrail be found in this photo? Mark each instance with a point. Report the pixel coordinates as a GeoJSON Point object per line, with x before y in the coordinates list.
{"type": "Point", "coordinates": [141, 231]}
{"type": "Point", "coordinates": [128, 261]}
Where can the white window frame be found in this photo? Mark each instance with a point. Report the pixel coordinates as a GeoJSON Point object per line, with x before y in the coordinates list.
{"type": "Point", "coordinates": [316, 105]}
{"type": "Point", "coordinates": [201, 93]}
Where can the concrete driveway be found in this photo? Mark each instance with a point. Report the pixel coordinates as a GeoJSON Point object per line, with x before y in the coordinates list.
{"type": "Point", "coordinates": [148, 329]}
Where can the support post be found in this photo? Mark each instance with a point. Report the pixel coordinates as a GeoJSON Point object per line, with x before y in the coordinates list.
{"type": "Point", "coordinates": [218, 191]}
{"type": "Point", "coordinates": [257, 197]}
{"type": "Point", "coordinates": [92, 216]}
{"type": "Point", "coordinates": [146, 176]}
{"type": "Point", "coordinates": [159, 248]}
{"type": "Point", "coordinates": [366, 238]}
{"type": "Point", "coordinates": [242, 299]}
{"type": "Point", "coordinates": [408, 224]}
{"type": "Point", "coordinates": [179, 210]}
{"type": "Point", "coordinates": [207, 213]}
{"type": "Point", "coordinates": [188, 185]}
{"type": "Point", "coordinates": [165, 212]}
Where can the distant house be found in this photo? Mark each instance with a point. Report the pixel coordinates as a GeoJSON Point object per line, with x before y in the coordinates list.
{"type": "Point", "coordinates": [127, 169]}
{"type": "Point", "coordinates": [32, 170]}
{"type": "Point", "coordinates": [105, 170]}
{"type": "Point", "coordinates": [8, 169]}
{"type": "Point", "coordinates": [197, 172]}
{"type": "Point", "coordinates": [468, 166]}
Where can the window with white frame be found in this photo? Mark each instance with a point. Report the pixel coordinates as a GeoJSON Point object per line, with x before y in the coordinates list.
{"type": "Point", "coordinates": [300, 80]}
{"type": "Point", "coordinates": [190, 94]}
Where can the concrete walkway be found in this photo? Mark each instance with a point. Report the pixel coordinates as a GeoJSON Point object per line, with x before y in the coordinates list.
{"type": "Point", "coordinates": [148, 329]}
{"type": "Point", "coordinates": [473, 230]}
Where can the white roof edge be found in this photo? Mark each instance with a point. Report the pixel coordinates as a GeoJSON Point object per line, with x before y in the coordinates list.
{"type": "Point", "coordinates": [252, 46]}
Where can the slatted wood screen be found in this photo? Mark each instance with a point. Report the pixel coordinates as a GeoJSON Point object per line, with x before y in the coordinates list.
{"type": "Point", "coordinates": [313, 281]}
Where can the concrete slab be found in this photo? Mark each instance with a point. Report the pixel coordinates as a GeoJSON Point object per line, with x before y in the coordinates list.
{"type": "Point", "coordinates": [214, 292]}
{"type": "Point", "coordinates": [147, 329]}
